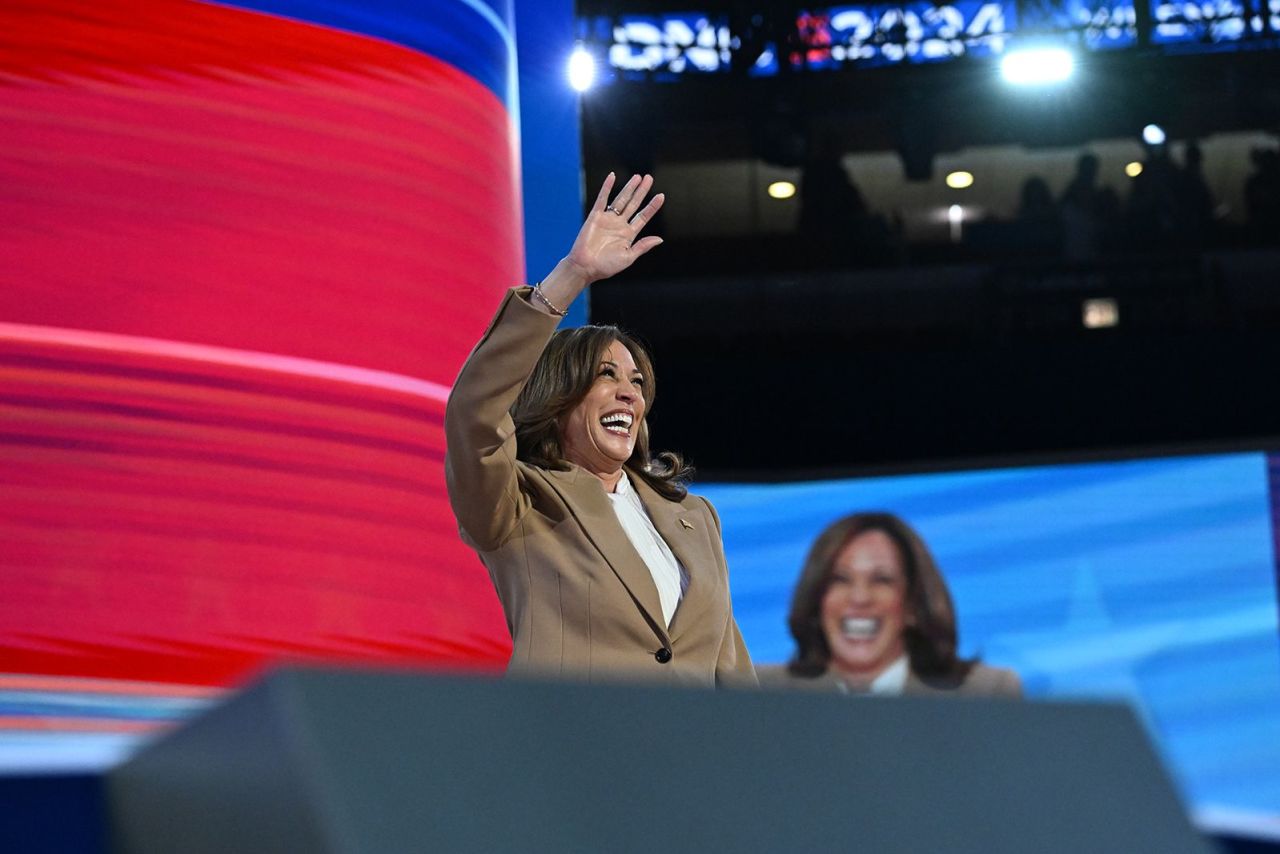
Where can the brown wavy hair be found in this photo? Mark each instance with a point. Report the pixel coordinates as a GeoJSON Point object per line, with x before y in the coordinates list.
{"type": "Point", "coordinates": [930, 634]}
{"type": "Point", "coordinates": [562, 377]}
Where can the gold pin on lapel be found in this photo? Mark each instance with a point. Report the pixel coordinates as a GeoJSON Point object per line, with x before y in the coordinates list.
{"type": "Point", "coordinates": [687, 524]}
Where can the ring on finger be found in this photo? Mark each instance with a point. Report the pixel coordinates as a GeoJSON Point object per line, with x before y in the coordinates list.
{"type": "Point", "coordinates": [612, 209]}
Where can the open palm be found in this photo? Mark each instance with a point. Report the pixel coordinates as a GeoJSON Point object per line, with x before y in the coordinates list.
{"type": "Point", "coordinates": [609, 240]}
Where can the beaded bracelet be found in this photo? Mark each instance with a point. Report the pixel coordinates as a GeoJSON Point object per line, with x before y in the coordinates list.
{"type": "Point", "coordinates": [542, 298]}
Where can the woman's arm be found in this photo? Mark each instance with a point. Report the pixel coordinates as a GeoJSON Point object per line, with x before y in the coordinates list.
{"type": "Point", "coordinates": [480, 460]}
{"type": "Point", "coordinates": [608, 242]}
{"type": "Point", "coordinates": [480, 437]}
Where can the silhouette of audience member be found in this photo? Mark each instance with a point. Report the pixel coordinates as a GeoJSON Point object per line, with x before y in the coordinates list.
{"type": "Point", "coordinates": [834, 218]}
{"type": "Point", "coordinates": [1036, 201]}
{"type": "Point", "coordinates": [1197, 200]}
{"type": "Point", "coordinates": [1262, 195]}
{"type": "Point", "coordinates": [1086, 209]}
{"type": "Point", "coordinates": [1037, 228]}
{"type": "Point", "coordinates": [1155, 208]}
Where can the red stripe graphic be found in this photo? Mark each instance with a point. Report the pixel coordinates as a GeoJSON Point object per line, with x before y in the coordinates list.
{"type": "Point", "coordinates": [190, 172]}
{"type": "Point", "coordinates": [243, 260]}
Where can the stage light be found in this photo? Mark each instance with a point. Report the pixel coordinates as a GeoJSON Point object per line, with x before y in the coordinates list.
{"type": "Point", "coordinates": [955, 217]}
{"type": "Point", "coordinates": [1153, 135]}
{"type": "Point", "coordinates": [582, 69]}
{"type": "Point", "coordinates": [960, 180]}
{"type": "Point", "coordinates": [1133, 170]}
{"type": "Point", "coordinates": [1036, 66]}
{"type": "Point", "coordinates": [782, 190]}
{"type": "Point", "coordinates": [1099, 313]}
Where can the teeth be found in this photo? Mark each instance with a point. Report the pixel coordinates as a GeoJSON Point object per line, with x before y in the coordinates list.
{"type": "Point", "coordinates": [858, 628]}
{"type": "Point", "coordinates": [617, 422]}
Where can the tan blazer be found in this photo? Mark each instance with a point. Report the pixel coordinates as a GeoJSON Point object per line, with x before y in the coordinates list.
{"type": "Point", "coordinates": [578, 598]}
{"type": "Point", "coordinates": [982, 681]}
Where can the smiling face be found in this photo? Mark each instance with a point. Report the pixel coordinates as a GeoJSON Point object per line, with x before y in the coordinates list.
{"type": "Point", "coordinates": [599, 433]}
{"type": "Point", "coordinates": [864, 608]}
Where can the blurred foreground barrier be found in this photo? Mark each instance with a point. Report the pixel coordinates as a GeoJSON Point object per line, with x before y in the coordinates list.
{"type": "Point", "coordinates": [334, 761]}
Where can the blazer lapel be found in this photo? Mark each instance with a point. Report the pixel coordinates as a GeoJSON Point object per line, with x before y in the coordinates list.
{"type": "Point", "coordinates": [685, 532]}
{"type": "Point", "coordinates": [587, 500]}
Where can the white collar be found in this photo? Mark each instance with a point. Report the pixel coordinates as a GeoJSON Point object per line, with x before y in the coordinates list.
{"type": "Point", "coordinates": [623, 487]}
{"type": "Point", "coordinates": [892, 681]}
{"type": "Point", "coordinates": [894, 678]}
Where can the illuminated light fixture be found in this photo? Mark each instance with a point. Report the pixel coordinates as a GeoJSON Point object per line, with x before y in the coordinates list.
{"type": "Point", "coordinates": [1133, 170]}
{"type": "Point", "coordinates": [960, 180]}
{"type": "Point", "coordinates": [582, 69]}
{"type": "Point", "coordinates": [955, 216]}
{"type": "Point", "coordinates": [782, 190]}
{"type": "Point", "coordinates": [1037, 66]}
{"type": "Point", "coordinates": [1153, 135]}
{"type": "Point", "coordinates": [1099, 313]}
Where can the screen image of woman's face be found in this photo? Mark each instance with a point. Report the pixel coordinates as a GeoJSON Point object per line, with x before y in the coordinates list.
{"type": "Point", "coordinates": [864, 608]}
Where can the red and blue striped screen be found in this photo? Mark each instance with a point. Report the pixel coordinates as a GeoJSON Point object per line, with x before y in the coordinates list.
{"type": "Point", "coordinates": [246, 247]}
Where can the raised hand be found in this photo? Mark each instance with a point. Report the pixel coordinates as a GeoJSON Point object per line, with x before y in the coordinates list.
{"type": "Point", "coordinates": [609, 240]}
{"type": "Point", "coordinates": [607, 243]}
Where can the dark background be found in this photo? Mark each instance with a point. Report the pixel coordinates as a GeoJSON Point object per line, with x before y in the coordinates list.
{"type": "Point", "coordinates": [776, 359]}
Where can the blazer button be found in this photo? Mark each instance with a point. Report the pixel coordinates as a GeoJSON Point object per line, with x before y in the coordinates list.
{"type": "Point", "coordinates": [663, 655]}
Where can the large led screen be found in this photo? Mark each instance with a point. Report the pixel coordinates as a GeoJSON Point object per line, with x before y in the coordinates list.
{"type": "Point", "coordinates": [246, 248]}
{"type": "Point", "coordinates": [1151, 581]}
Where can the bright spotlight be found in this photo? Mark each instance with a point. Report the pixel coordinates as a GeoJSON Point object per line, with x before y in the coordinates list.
{"type": "Point", "coordinates": [1153, 135]}
{"type": "Point", "coordinates": [1133, 169]}
{"type": "Point", "coordinates": [782, 190]}
{"type": "Point", "coordinates": [582, 69]}
{"type": "Point", "coordinates": [1034, 66]}
{"type": "Point", "coordinates": [960, 180]}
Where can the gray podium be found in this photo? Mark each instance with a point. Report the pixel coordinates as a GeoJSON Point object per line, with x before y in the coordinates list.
{"type": "Point", "coordinates": [336, 761]}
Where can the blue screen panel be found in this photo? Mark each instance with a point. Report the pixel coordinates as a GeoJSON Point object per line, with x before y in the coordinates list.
{"type": "Point", "coordinates": [1152, 581]}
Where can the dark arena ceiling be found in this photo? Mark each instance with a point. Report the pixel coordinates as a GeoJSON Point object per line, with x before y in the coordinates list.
{"type": "Point", "coordinates": [1194, 90]}
{"type": "Point", "coordinates": [914, 348]}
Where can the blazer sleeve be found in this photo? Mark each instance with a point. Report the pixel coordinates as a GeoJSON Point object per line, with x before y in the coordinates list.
{"type": "Point", "coordinates": [733, 663]}
{"type": "Point", "coordinates": [481, 473]}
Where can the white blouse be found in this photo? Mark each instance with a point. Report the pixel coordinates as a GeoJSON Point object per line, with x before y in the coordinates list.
{"type": "Point", "coordinates": [668, 575]}
{"type": "Point", "coordinates": [892, 682]}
